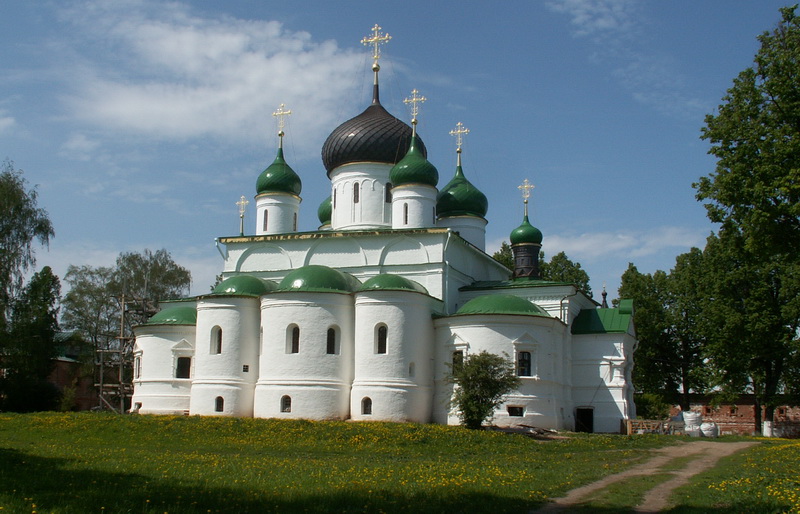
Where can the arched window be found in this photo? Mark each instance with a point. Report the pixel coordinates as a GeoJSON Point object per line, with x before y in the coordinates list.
{"type": "Point", "coordinates": [286, 404]}
{"type": "Point", "coordinates": [216, 340]}
{"type": "Point", "coordinates": [183, 367]}
{"type": "Point", "coordinates": [266, 219]}
{"type": "Point", "coordinates": [330, 347]}
{"type": "Point", "coordinates": [219, 404]}
{"type": "Point", "coordinates": [334, 198]}
{"type": "Point", "coordinates": [458, 360]}
{"type": "Point", "coordinates": [524, 364]}
{"type": "Point", "coordinates": [356, 192]}
{"type": "Point", "coordinates": [293, 339]}
{"type": "Point", "coordinates": [380, 339]}
{"type": "Point", "coordinates": [366, 406]}
{"type": "Point", "coordinates": [294, 223]}
{"type": "Point", "coordinates": [405, 214]}
{"type": "Point", "coordinates": [388, 197]}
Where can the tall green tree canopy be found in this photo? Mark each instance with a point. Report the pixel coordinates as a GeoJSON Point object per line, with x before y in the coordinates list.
{"type": "Point", "coordinates": [755, 137]}
{"type": "Point", "coordinates": [22, 222]}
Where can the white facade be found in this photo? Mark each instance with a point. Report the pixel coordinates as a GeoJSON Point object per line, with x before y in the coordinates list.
{"type": "Point", "coordinates": [361, 319]}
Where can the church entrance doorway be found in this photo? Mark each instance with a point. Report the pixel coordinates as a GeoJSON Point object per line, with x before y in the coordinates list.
{"type": "Point", "coordinates": [584, 420]}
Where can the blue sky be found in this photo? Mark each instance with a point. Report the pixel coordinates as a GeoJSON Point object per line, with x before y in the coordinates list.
{"type": "Point", "coordinates": [143, 122]}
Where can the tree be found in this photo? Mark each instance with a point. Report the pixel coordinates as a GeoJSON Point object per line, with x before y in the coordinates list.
{"type": "Point", "coordinates": [562, 269]}
{"type": "Point", "coordinates": [482, 380]}
{"type": "Point", "coordinates": [30, 349]}
{"type": "Point", "coordinates": [752, 311]}
{"type": "Point", "coordinates": [755, 137]}
{"type": "Point", "coordinates": [668, 363]}
{"type": "Point", "coordinates": [504, 255]}
{"type": "Point", "coordinates": [21, 223]}
{"type": "Point", "coordinates": [754, 193]}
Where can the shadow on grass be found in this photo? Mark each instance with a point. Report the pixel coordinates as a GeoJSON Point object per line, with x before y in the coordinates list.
{"type": "Point", "coordinates": [738, 508]}
{"type": "Point", "coordinates": [31, 483]}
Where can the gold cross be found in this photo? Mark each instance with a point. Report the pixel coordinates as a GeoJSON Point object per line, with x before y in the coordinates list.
{"type": "Point", "coordinates": [376, 40]}
{"type": "Point", "coordinates": [414, 100]}
{"type": "Point", "coordinates": [526, 193]}
{"type": "Point", "coordinates": [526, 190]}
{"type": "Point", "coordinates": [460, 131]}
{"type": "Point", "coordinates": [242, 203]}
{"type": "Point", "coordinates": [280, 114]}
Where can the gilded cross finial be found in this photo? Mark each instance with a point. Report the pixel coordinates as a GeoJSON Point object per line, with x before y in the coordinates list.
{"type": "Point", "coordinates": [375, 41]}
{"type": "Point", "coordinates": [526, 193]}
{"type": "Point", "coordinates": [460, 131]}
{"type": "Point", "coordinates": [242, 203]}
{"type": "Point", "coordinates": [281, 113]}
{"type": "Point", "coordinates": [414, 99]}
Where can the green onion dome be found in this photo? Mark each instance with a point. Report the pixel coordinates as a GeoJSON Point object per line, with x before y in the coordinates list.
{"type": "Point", "coordinates": [460, 198]}
{"type": "Point", "coordinates": [315, 278]}
{"type": "Point", "coordinates": [372, 136]}
{"type": "Point", "coordinates": [501, 304]}
{"type": "Point", "coordinates": [177, 315]}
{"type": "Point", "coordinates": [279, 177]}
{"type": "Point", "coordinates": [244, 285]}
{"type": "Point", "coordinates": [392, 283]}
{"type": "Point", "coordinates": [414, 168]}
{"type": "Point", "coordinates": [325, 211]}
{"type": "Point", "coordinates": [526, 233]}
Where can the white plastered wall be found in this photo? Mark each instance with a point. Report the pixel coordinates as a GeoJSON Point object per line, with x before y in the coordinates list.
{"type": "Point", "coordinates": [371, 210]}
{"type": "Point", "coordinates": [223, 374]}
{"type": "Point", "coordinates": [413, 206]}
{"type": "Point", "coordinates": [471, 228]}
{"type": "Point", "coordinates": [317, 383]}
{"type": "Point", "coordinates": [281, 211]}
{"type": "Point", "coordinates": [398, 382]}
{"type": "Point", "coordinates": [157, 349]}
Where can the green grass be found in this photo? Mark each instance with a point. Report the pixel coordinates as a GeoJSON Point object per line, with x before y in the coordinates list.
{"type": "Point", "coordinates": [94, 462]}
{"type": "Point", "coordinates": [762, 479]}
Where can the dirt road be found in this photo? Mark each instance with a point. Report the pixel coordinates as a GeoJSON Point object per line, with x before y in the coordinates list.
{"type": "Point", "coordinates": [705, 455]}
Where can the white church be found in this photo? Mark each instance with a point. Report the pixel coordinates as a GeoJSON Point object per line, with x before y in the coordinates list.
{"type": "Point", "coordinates": [362, 318]}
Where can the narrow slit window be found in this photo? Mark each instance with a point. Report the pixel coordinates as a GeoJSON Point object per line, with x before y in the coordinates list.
{"type": "Point", "coordinates": [405, 214]}
{"type": "Point", "coordinates": [356, 192]}
{"type": "Point", "coordinates": [294, 343]}
{"type": "Point", "coordinates": [219, 404]}
{"type": "Point", "coordinates": [388, 197]}
{"type": "Point", "coordinates": [330, 347]}
{"type": "Point", "coordinates": [380, 346]}
{"type": "Point", "coordinates": [294, 223]}
{"type": "Point", "coordinates": [216, 340]}
{"type": "Point", "coordinates": [266, 220]}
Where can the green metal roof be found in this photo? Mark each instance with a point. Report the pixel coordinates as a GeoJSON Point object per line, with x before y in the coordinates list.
{"type": "Point", "coordinates": [325, 211]}
{"type": "Point", "coordinates": [178, 315]}
{"type": "Point", "coordinates": [460, 198]}
{"type": "Point", "coordinates": [392, 282]}
{"type": "Point", "coordinates": [526, 233]}
{"type": "Point", "coordinates": [279, 177]}
{"type": "Point", "coordinates": [414, 168]}
{"type": "Point", "coordinates": [315, 278]}
{"type": "Point", "coordinates": [520, 282]}
{"type": "Point", "coordinates": [501, 304]}
{"type": "Point", "coordinates": [244, 285]}
{"type": "Point", "coordinates": [603, 321]}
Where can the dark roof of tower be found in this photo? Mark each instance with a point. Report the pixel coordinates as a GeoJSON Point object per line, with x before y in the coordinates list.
{"type": "Point", "coordinates": [372, 136]}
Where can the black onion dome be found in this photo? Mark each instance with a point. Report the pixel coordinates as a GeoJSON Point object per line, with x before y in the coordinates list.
{"type": "Point", "coordinates": [372, 136]}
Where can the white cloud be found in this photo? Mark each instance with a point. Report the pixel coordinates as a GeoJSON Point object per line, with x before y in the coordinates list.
{"type": "Point", "coordinates": [79, 147]}
{"type": "Point", "coordinates": [596, 17]}
{"type": "Point", "coordinates": [6, 122]}
{"type": "Point", "coordinates": [177, 75]}
{"type": "Point", "coordinates": [596, 245]}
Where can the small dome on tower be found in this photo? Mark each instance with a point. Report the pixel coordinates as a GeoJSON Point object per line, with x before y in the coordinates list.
{"type": "Point", "coordinates": [526, 233]}
{"type": "Point", "coordinates": [316, 278]}
{"type": "Point", "coordinates": [325, 211]}
{"type": "Point", "coordinates": [390, 282]}
{"type": "Point", "coordinates": [501, 304]}
{"type": "Point", "coordinates": [279, 177]}
{"type": "Point", "coordinates": [460, 198]}
{"type": "Point", "coordinates": [177, 315]}
{"type": "Point", "coordinates": [414, 168]}
{"type": "Point", "coordinates": [244, 285]}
